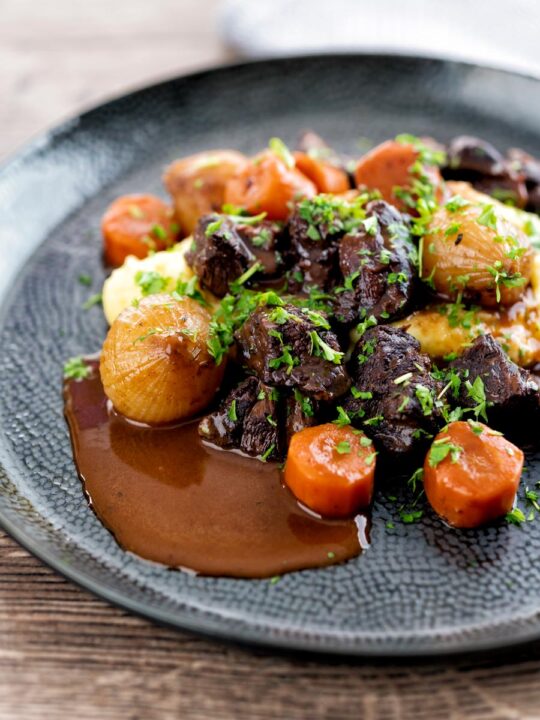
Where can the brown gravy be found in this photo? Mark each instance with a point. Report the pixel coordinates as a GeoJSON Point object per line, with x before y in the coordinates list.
{"type": "Point", "coordinates": [169, 498]}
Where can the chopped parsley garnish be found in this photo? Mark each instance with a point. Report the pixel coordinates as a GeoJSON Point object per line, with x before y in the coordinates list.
{"type": "Point", "coordinates": [305, 403]}
{"type": "Point", "coordinates": [85, 279]}
{"type": "Point", "coordinates": [232, 415]}
{"type": "Point", "coordinates": [159, 232]}
{"type": "Point", "coordinates": [268, 452]}
{"type": "Point", "coordinates": [279, 148]}
{"type": "Point", "coordinates": [191, 289]}
{"type": "Point", "coordinates": [371, 225]}
{"type": "Point", "coordinates": [151, 282]}
{"type": "Point", "coordinates": [488, 217]}
{"type": "Point", "coordinates": [515, 516]}
{"type": "Point", "coordinates": [456, 203]}
{"type": "Point", "coordinates": [425, 398]}
{"type": "Point", "coordinates": [213, 227]}
{"type": "Point", "coordinates": [92, 300]}
{"type": "Point", "coordinates": [322, 349]}
{"type": "Point", "coordinates": [343, 447]}
{"type": "Point", "coordinates": [441, 449]}
{"type": "Point", "coordinates": [76, 369]}
{"type": "Point", "coordinates": [476, 392]}
{"type": "Point", "coordinates": [361, 394]}
{"type": "Point", "coordinates": [342, 418]}
{"type": "Point", "coordinates": [236, 284]}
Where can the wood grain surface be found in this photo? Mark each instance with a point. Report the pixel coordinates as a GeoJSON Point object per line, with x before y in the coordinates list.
{"type": "Point", "coordinates": [66, 655]}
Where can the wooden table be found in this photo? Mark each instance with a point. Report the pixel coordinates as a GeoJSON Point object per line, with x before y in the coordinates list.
{"type": "Point", "coordinates": [66, 655]}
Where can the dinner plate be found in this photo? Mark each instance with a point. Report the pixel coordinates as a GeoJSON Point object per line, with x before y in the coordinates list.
{"type": "Point", "coordinates": [419, 589]}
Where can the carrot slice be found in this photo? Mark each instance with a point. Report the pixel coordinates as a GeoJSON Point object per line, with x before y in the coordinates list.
{"type": "Point", "coordinates": [331, 469]}
{"type": "Point", "coordinates": [268, 184]}
{"type": "Point", "coordinates": [135, 225]}
{"type": "Point", "coordinates": [327, 177]}
{"type": "Point", "coordinates": [471, 474]}
{"type": "Point", "coordinates": [387, 167]}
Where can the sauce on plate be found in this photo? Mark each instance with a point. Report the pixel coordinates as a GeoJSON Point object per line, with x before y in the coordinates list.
{"type": "Point", "coordinates": [169, 498]}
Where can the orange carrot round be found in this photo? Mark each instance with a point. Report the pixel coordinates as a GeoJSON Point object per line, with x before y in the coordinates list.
{"type": "Point", "coordinates": [387, 167]}
{"type": "Point", "coordinates": [135, 225]}
{"type": "Point", "coordinates": [331, 469]}
{"type": "Point", "coordinates": [268, 184]}
{"type": "Point", "coordinates": [471, 474]}
{"type": "Point", "coordinates": [327, 177]}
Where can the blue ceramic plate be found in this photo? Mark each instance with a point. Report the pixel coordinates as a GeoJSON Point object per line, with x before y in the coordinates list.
{"type": "Point", "coordinates": [420, 588]}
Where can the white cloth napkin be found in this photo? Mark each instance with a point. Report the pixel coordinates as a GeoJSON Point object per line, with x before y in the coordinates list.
{"type": "Point", "coordinates": [499, 33]}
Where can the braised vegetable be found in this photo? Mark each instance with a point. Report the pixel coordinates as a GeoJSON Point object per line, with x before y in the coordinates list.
{"type": "Point", "coordinates": [270, 183]}
{"type": "Point", "coordinates": [136, 225]}
{"type": "Point", "coordinates": [155, 365]}
{"type": "Point", "coordinates": [327, 177]}
{"type": "Point", "coordinates": [392, 169]}
{"type": "Point", "coordinates": [473, 251]}
{"type": "Point", "coordinates": [471, 474]}
{"type": "Point", "coordinates": [331, 469]}
{"type": "Point", "coordinates": [197, 184]}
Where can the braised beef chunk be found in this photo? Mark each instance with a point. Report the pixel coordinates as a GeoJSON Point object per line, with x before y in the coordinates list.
{"type": "Point", "coordinates": [471, 154]}
{"type": "Point", "coordinates": [312, 248]}
{"type": "Point", "coordinates": [261, 434]}
{"type": "Point", "coordinates": [375, 261]}
{"type": "Point", "coordinates": [290, 347]}
{"type": "Point", "coordinates": [220, 255]}
{"type": "Point", "coordinates": [259, 420]}
{"type": "Point", "coordinates": [224, 427]}
{"type": "Point", "coordinates": [301, 413]}
{"type": "Point", "coordinates": [505, 394]}
{"type": "Point", "coordinates": [394, 396]}
{"type": "Point", "coordinates": [478, 162]}
{"type": "Point", "coordinates": [264, 240]}
{"type": "Point", "coordinates": [529, 167]}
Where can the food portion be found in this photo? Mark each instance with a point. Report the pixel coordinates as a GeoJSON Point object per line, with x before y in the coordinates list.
{"type": "Point", "coordinates": [313, 313]}
{"type": "Point", "coordinates": [471, 474]}
{"type": "Point", "coordinates": [148, 347]}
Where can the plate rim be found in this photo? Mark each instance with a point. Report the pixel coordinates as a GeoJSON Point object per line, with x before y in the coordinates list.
{"type": "Point", "coordinates": [212, 624]}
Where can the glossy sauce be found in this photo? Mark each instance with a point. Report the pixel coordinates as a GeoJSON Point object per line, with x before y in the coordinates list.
{"type": "Point", "coordinates": [169, 498]}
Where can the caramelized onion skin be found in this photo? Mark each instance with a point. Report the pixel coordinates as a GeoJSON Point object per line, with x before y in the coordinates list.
{"type": "Point", "coordinates": [462, 254]}
{"type": "Point", "coordinates": [155, 365]}
{"type": "Point", "coordinates": [197, 184]}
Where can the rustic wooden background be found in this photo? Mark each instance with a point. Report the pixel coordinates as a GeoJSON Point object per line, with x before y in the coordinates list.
{"type": "Point", "coordinates": [66, 655]}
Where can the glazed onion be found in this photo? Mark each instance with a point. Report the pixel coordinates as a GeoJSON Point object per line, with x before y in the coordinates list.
{"type": "Point", "coordinates": [472, 248]}
{"type": "Point", "coordinates": [155, 366]}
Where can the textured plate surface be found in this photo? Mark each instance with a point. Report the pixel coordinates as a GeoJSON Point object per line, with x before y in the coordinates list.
{"type": "Point", "coordinates": [419, 589]}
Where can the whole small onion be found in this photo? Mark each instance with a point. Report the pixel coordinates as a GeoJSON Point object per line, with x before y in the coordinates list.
{"type": "Point", "coordinates": [474, 249]}
{"type": "Point", "coordinates": [155, 365]}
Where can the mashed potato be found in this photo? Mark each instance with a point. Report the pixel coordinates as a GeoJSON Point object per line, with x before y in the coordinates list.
{"type": "Point", "coordinates": [121, 288]}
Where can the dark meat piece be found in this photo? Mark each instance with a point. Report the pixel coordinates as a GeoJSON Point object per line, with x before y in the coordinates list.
{"type": "Point", "coordinates": [394, 396]}
{"type": "Point", "coordinates": [478, 162]}
{"type": "Point", "coordinates": [510, 392]}
{"type": "Point", "coordinates": [248, 419]}
{"type": "Point", "coordinates": [261, 428]}
{"type": "Point", "coordinates": [289, 347]}
{"type": "Point", "coordinates": [224, 426]}
{"type": "Point", "coordinates": [376, 265]}
{"type": "Point", "coordinates": [219, 255]}
{"type": "Point", "coordinates": [313, 249]}
{"type": "Point", "coordinates": [524, 164]}
{"type": "Point", "coordinates": [301, 413]}
{"type": "Point", "coordinates": [529, 167]}
{"type": "Point", "coordinates": [466, 153]}
{"type": "Point", "coordinates": [264, 240]}
{"type": "Point", "coordinates": [224, 249]}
